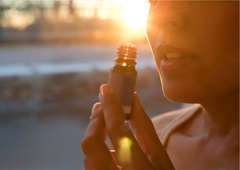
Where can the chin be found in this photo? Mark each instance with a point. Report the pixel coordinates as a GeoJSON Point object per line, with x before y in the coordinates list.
{"type": "Point", "coordinates": [181, 95]}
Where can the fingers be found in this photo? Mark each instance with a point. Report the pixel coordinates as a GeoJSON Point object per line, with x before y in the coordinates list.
{"type": "Point", "coordinates": [98, 156]}
{"type": "Point", "coordinates": [108, 117]}
{"type": "Point", "coordinates": [95, 113]}
{"type": "Point", "coordinates": [87, 164]}
{"type": "Point", "coordinates": [143, 127]}
{"type": "Point", "coordinates": [147, 137]}
{"type": "Point", "coordinates": [127, 149]}
{"type": "Point", "coordinates": [113, 115]}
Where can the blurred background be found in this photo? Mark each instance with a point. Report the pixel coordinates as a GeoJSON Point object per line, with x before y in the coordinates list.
{"type": "Point", "coordinates": [54, 55]}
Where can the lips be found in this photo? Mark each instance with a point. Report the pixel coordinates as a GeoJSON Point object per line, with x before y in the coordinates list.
{"type": "Point", "coordinates": [172, 55]}
{"type": "Point", "coordinates": [172, 59]}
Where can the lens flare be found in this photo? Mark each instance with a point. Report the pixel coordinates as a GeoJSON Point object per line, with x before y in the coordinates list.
{"type": "Point", "coordinates": [125, 142]}
{"type": "Point", "coordinates": [125, 150]}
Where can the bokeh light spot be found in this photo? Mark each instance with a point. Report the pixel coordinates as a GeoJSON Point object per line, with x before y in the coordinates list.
{"type": "Point", "coordinates": [125, 150]}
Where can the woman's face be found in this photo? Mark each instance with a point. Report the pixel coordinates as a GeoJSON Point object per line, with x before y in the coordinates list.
{"type": "Point", "coordinates": [195, 47]}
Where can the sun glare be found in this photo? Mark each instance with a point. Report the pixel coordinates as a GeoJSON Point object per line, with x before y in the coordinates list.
{"type": "Point", "coordinates": [135, 14]}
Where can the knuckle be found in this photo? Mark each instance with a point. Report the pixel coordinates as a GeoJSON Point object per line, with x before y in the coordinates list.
{"type": "Point", "coordinates": [87, 143]}
{"type": "Point", "coordinates": [87, 164]}
{"type": "Point", "coordinates": [85, 161]}
{"type": "Point", "coordinates": [116, 132]}
{"type": "Point", "coordinates": [109, 100]}
{"type": "Point", "coordinates": [95, 115]}
{"type": "Point", "coordinates": [113, 130]}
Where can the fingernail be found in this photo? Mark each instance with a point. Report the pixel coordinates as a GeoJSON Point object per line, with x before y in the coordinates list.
{"type": "Point", "coordinates": [96, 106]}
{"type": "Point", "coordinates": [149, 157]}
{"type": "Point", "coordinates": [94, 114]}
{"type": "Point", "coordinates": [99, 96]}
{"type": "Point", "coordinates": [104, 89]}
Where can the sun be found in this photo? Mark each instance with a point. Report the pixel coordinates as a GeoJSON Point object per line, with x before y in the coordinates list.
{"type": "Point", "coordinates": [135, 14]}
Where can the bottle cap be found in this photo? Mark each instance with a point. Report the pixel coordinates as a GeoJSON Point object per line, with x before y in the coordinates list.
{"type": "Point", "coordinates": [129, 45]}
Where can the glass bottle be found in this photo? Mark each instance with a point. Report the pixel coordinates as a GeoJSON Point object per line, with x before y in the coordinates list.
{"type": "Point", "coordinates": [122, 77]}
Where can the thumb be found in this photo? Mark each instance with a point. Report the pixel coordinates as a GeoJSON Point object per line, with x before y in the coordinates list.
{"type": "Point", "coordinates": [147, 136]}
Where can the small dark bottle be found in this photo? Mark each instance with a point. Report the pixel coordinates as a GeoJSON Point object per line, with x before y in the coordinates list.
{"type": "Point", "coordinates": [122, 77]}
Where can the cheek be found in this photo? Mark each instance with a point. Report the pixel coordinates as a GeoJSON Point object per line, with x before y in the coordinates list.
{"type": "Point", "coordinates": [218, 42]}
{"type": "Point", "coordinates": [217, 31]}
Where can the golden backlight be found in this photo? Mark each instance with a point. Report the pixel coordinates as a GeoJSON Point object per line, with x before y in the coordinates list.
{"type": "Point", "coordinates": [134, 12]}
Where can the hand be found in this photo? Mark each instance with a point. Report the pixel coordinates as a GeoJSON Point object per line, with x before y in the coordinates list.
{"type": "Point", "coordinates": [145, 152]}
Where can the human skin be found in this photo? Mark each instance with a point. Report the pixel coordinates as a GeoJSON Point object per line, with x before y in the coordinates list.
{"type": "Point", "coordinates": [209, 33]}
{"type": "Point", "coordinates": [107, 118]}
{"type": "Point", "coordinates": [206, 32]}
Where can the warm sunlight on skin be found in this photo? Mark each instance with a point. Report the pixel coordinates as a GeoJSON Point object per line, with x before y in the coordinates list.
{"type": "Point", "coordinates": [134, 13]}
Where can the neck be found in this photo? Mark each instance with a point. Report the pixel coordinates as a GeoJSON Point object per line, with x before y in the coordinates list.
{"type": "Point", "coordinates": [221, 117]}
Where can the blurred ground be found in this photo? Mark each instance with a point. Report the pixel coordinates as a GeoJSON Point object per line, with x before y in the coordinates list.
{"type": "Point", "coordinates": [46, 95]}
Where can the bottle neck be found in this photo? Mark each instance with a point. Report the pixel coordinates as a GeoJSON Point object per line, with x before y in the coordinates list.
{"type": "Point", "coordinates": [125, 61]}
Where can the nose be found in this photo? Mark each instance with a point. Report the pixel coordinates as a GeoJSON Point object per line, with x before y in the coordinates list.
{"type": "Point", "coordinates": [167, 16]}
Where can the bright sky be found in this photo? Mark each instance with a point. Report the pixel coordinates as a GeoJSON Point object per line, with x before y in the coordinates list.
{"type": "Point", "coordinates": [134, 12]}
